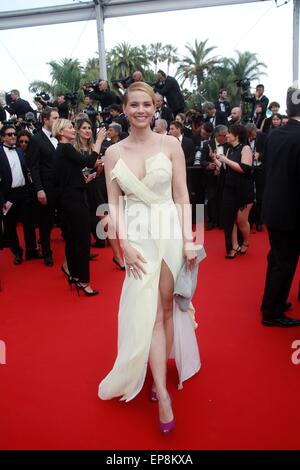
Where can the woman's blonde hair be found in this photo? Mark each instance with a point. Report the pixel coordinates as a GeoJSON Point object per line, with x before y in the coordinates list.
{"type": "Point", "coordinates": [58, 126]}
{"type": "Point", "coordinates": [139, 86]}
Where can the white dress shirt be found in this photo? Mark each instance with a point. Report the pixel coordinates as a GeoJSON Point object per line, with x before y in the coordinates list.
{"type": "Point", "coordinates": [52, 139]}
{"type": "Point", "coordinates": [18, 179]}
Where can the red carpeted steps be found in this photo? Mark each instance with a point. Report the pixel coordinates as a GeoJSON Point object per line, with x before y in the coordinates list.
{"type": "Point", "coordinates": [59, 346]}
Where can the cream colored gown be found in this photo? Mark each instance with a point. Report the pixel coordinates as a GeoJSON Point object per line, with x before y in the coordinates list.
{"type": "Point", "coordinates": [153, 228]}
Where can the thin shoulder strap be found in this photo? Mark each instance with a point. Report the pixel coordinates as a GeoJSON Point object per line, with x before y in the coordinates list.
{"type": "Point", "coordinates": [118, 148]}
{"type": "Point", "coordinates": [161, 142]}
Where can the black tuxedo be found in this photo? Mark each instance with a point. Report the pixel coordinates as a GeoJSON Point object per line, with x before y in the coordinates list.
{"type": "Point", "coordinates": [21, 208]}
{"type": "Point", "coordinates": [214, 182]}
{"type": "Point", "coordinates": [281, 213]}
{"type": "Point", "coordinates": [41, 157]}
{"type": "Point", "coordinates": [171, 90]}
{"type": "Point", "coordinates": [223, 104]}
{"type": "Point", "coordinates": [219, 118]}
{"type": "Point", "coordinates": [255, 215]}
{"type": "Point", "coordinates": [189, 150]}
{"type": "Point", "coordinates": [165, 113]}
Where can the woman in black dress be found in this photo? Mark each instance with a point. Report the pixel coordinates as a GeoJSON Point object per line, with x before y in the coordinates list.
{"type": "Point", "coordinates": [74, 204]}
{"type": "Point", "coordinates": [96, 187]}
{"type": "Point", "coordinates": [238, 195]}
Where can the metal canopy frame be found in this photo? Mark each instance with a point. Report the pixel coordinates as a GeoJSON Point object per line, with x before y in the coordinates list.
{"type": "Point", "coordinates": [100, 10]}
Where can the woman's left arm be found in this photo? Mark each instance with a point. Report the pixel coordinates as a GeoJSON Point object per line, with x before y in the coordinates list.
{"type": "Point", "coordinates": [182, 201]}
{"type": "Point", "coordinates": [246, 160]}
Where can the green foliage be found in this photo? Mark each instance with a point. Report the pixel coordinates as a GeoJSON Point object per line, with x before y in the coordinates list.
{"type": "Point", "coordinates": [205, 72]}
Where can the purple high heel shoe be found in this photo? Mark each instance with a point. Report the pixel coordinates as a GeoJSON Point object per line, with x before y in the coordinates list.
{"type": "Point", "coordinates": [166, 428]}
{"type": "Point", "coordinates": [153, 396]}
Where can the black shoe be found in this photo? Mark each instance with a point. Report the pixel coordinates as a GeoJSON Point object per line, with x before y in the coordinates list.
{"type": "Point", "coordinates": [259, 228]}
{"type": "Point", "coordinates": [209, 226]}
{"type": "Point", "coordinates": [98, 244]}
{"type": "Point", "coordinates": [48, 261]}
{"type": "Point", "coordinates": [93, 256]}
{"type": "Point", "coordinates": [282, 322]}
{"type": "Point", "coordinates": [35, 254]}
{"type": "Point", "coordinates": [81, 287]}
{"type": "Point", "coordinates": [18, 260]}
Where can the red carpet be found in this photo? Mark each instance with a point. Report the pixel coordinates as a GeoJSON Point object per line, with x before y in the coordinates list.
{"type": "Point", "coordinates": [59, 346]}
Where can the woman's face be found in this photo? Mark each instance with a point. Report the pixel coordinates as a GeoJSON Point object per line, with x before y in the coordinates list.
{"type": "Point", "coordinates": [178, 118]}
{"type": "Point", "coordinates": [85, 131]}
{"type": "Point", "coordinates": [276, 121]}
{"type": "Point", "coordinates": [68, 133]}
{"type": "Point", "coordinates": [139, 109]}
{"type": "Point", "coordinates": [231, 139]}
{"type": "Point", "coordinates": [24, 143]}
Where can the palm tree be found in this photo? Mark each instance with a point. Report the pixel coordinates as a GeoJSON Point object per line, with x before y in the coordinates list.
{"type": "Point", "coordinates": [124, 59]}
{"type": "Point", "coordinates": [65, 75]}
{"type": "Point", "coordinates": [91, 71]}
{"type": "Point", "coordinates": [246, 66]}
{"type": "Point", "coordinates": [39, 86]}
{"type": "Point", "coordinates": [197, 65]}
{"type": "Point", "coordinates": [170, 55]}
{"type": "Point", "coordinates": [156, 54]}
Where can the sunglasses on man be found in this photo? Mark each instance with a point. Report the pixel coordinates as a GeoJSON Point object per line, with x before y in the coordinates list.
{"type": "Point", "coordinates": [10, 134]}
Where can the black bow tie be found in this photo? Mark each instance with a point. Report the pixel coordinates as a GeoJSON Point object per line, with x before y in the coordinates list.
{"type": "Point", "coordinates": [9, 148]}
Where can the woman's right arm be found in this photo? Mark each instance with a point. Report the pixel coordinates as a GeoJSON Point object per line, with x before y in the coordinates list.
{"type": "Point", "coordinates": [117, 224]}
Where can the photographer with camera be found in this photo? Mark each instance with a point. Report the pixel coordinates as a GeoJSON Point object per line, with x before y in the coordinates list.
{"type": "Point", "coordinates": [62, 106]}
{"type": "Point", "coordinates": [123, 83]}
{"type": "Point", "coordinates": [169, 88]}
{"type": "Point", "coordinates": [105, 96]}
{"type": "Point", "coordinates": [16, 105]}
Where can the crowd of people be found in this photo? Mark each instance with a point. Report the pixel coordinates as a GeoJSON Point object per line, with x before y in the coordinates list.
{"type": "Point", "coordinates": [148, 149]}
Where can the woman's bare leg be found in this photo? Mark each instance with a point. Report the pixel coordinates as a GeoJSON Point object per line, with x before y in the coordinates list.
{"type": "Point", "coordinates": [158, 348]}
{"type": "Point", "coordinates": [243, 222]}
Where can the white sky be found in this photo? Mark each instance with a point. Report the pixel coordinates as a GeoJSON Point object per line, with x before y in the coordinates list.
{"type": "Point", "coordinates": [258, 27]}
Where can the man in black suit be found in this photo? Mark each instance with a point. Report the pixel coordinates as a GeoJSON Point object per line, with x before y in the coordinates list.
{"type": "Point", "coordinates": [213, 148]}
{"type": "Point", "coordinates": [42, 160]}
{"type": "Point", "coordinates": [256, 141]}
{"type": "Point", "coordinates": [169, 88]}
{"type": "Point", "coordinates": [261, 98]}
{"type": "Point", "coordinates": [222, 104]}
{"type": "Point", "coordinates": [188, 147]}
{"type": "Point", "coordinates": [18, 106]}
{"type": "Point", "coordinates": [15, 198]}
{"type": "Point", "coordinates": [217, 118]}
{"type": "Point", "coordinates": [281, 213]}
{"type": "Point", "coordinates": [162, 111]}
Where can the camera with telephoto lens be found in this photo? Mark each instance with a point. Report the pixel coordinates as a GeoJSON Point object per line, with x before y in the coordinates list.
{"type": "Point", "coordinates": [125, 82]}
{"type": "Point", "coordinates": [42, 97]}
{"type": "Point", "coordinates": [246, 96]}
{"type": "Point", "coordinates": [89, 89]}
{"type": "Point", "coordinates": [72, 97]}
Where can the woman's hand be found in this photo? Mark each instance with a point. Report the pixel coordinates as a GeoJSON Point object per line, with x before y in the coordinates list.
{"type": "Point", "coordinates": [99, 166]}
{"type": "Point", "coordinates": [190, 255]}
{"type": "Point", "coordinates": [222, 159]}
{"type": "Point", "coordinates": [134, 261]}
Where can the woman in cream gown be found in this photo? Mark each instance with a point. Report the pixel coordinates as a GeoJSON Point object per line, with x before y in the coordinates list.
{"type": "Point", "coordinates": [149, 169]}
